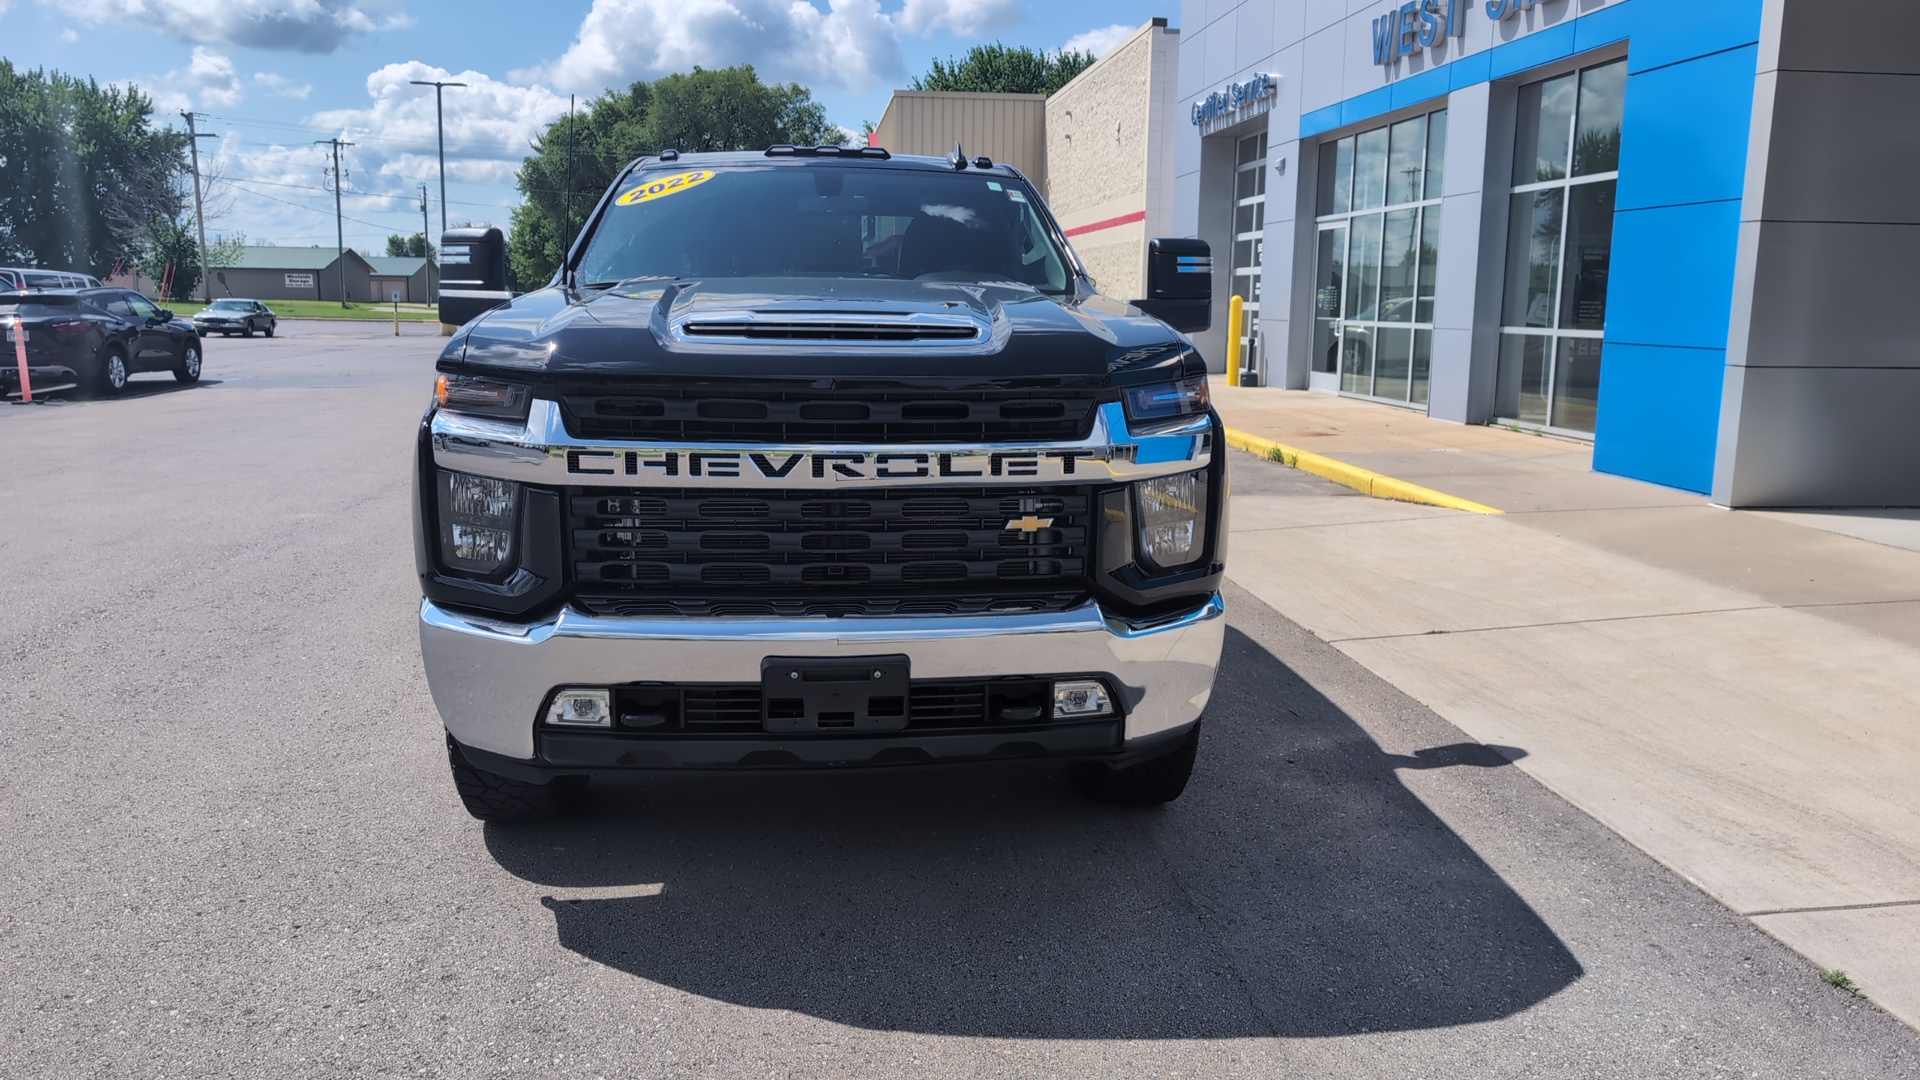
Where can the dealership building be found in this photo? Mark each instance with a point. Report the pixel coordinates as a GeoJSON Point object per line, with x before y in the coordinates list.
{"type": "Point", "coordinates": [1683, 229]}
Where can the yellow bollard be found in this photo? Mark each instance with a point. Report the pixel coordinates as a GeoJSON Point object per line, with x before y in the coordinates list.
{"type": "Point", "coordinates": [1236, 317]}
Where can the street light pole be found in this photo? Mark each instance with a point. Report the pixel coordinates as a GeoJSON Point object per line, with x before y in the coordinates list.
{"type": "Point", "coordinates": [440, 124]}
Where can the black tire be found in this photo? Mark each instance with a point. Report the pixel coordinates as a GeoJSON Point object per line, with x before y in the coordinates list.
{"type": "Point", "coordinates": [269, 330]}
{"type": "Point", "coordinates": [112, 376]}
{"type": "Point", "coordinates": [1144, 783]}
{"type": "Point", "coordinates": [188, 369]}
{"type": "Point", "coordinates": [492, 797]}
{"type": "Point", "coordinates": [247, 330]}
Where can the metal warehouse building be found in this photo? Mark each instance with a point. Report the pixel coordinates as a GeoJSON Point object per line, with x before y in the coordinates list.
{"type": "Point", "coordinates": [1683, 229]}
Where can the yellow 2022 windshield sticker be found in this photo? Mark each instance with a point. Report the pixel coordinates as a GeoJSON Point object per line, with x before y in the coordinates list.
{"type": "Point", "coordinates": [663, 187]}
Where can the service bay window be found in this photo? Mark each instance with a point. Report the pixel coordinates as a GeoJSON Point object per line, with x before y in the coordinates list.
{"type": "Point", "coordinates": [1566, 164]}
{"type": "Point", "coordinates": [1378, 221]}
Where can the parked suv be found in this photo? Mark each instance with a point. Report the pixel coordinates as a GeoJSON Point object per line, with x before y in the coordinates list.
{"type": "Point", "coordinates": [820, 458]}
{"type": "Point", "coordinates": [235, 316]}
{"type": "Point", "coordinates": [21, 277]}
{"type": "Point", "coordinates": [94, 339]}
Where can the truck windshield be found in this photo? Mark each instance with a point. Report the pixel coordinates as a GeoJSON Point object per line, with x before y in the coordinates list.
{"type": "Point", "coordinates": [824, 221]}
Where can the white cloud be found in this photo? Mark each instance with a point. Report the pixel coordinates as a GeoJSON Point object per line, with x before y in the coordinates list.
{"type": "Point", "coordinates": [215, 79]}
{"type": "Point", "coordinates": [312, 26]}
{"type": "Point", "coordinates": [489, 124]}
{"type": "Point", "coordinates": [69, 34]}
{"type": "Point", "coordinates": [967, 18]}
{"type": "Point", "coordinates": [279, 85]}
{"type": "Point", "coordinates": [1101, 40]}
{"type": "Point", "coordinates": [851, 45]}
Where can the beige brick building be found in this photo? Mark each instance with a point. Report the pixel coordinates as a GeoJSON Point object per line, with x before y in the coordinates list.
{"type": "Point", "coordinates": [1110, 157]}
{"type": "Point", "coordinates": [1008, 128]}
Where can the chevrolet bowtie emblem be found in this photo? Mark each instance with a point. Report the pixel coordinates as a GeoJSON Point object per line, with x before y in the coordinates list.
{"type": "Point", "coordinates": [1030, 523]}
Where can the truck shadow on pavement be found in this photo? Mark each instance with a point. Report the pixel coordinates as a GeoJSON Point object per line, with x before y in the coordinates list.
{"type": "Point", "coordinates": [1297, 889]}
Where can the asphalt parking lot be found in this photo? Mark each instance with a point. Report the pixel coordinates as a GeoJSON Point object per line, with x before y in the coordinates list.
{"type": "Point", "coordinates": [231, 847]}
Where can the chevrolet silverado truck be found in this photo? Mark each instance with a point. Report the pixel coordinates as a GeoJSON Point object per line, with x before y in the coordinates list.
{"type": "Point", "coordinates": [822, 458]}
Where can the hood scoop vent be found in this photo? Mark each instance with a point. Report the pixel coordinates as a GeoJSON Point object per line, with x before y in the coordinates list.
{"type": "Point", "coordinates": [787, 327]}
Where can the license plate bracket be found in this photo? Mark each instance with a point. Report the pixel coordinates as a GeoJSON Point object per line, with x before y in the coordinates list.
{"type": "Point", "coordinates": [833, 694]}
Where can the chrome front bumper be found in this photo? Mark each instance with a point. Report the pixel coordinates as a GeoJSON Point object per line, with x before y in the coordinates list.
{"type": "Point", "coordinates": [490, 678]}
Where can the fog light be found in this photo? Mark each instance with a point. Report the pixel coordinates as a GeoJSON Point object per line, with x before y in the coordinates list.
{"type": "Point", "coordinates": [581, 708]}
{"type": "Point", "coordinates": [1081, 697]}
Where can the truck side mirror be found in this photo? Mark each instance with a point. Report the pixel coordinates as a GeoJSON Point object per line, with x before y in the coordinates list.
{"type": "Point", "coordinates": [1179, 283]}
{"type": "Point", "coordinates": [473, 273]}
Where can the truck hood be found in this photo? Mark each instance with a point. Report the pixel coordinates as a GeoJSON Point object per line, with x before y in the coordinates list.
{"type": "Point", "coordinates": [812, 328]}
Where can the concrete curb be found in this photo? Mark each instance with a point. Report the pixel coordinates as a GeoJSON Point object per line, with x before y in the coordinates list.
{"type": "Point", "coordinates": [1364, 481]}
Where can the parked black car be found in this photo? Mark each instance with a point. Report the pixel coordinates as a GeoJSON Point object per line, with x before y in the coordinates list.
{"type": "Point", "coordinates": [235, 316]}
{"type": "Point", "coordinates": [93, 339]}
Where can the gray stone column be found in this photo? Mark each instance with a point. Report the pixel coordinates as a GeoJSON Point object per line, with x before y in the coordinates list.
{"type": "Point", "coordinates": [1473, 232]}
{"type": "Point", "coordinates": [1821, 403]}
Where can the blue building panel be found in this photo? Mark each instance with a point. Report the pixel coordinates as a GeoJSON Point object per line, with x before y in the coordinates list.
{"type": "Point", "coordinates": [1319, 120]}
{"type": "Point", "coordinates": [1425, 86]}
{"type": "Point", "coordinates": [1671, 278]}
{"type": "Point", "coordinates": [1684, 134]}
{"type": "Point", "coordinates": [1610, 24]}
{"type": "Point", "coordinates": [1672, 33]}
{"type": "Point", "coordinates": [1537, 48]}
{"type": "Point", "coordinates": [1659, 414]}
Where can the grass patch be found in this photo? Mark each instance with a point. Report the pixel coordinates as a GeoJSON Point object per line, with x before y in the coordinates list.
{"type": "Point", "coordinates": [329, 309]}
{"type": "Point", "coordinates": [1840, 981]}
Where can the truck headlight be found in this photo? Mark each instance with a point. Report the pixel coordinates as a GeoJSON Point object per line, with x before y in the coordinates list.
{"type": "Point", "coordinates": [1160, 401]}
{"type": "Point", "coordinates": [1173, 519]}
{"type": "Point", "coordinates": [477, 516]}
{"type": "Point", "coordinates": [475, 396]}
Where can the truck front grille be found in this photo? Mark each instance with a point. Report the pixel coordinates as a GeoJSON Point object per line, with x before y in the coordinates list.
{"type": "Point", "coordinates": [946, 551]}
{"type": "Point", "coordinates": [809, 416]}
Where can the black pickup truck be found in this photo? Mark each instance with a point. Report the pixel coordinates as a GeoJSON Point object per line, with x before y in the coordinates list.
{"type": "Point", "coordinates": [822, 457]}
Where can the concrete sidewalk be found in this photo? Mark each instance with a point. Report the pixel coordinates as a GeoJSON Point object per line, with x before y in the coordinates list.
{"type": "Point", "coordinates": [1737, 693]}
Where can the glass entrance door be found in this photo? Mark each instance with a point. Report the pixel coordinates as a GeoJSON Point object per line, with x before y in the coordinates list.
{"type": "Point", "coordinates": [1249, 225]}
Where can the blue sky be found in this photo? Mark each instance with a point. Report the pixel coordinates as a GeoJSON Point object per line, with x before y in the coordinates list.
{"type": "Point", "coordinates": [271, 76]}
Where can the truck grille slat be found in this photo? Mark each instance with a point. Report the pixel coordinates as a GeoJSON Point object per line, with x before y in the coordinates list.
{"type": "Point", "coordinates": [810, 416]}
{"type": "Point", "coordinates": [944, 551]}
{"type": "Point", "coordinates": [735, 708]}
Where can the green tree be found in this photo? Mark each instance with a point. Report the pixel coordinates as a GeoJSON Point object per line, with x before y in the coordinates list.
{"type": "Point", "coordinates": [85, 175]}
{"type": "Point", "coordinates": [173, 243]}
{"type": "Point", "coordinates": [1000, 69]}
{"type": "Point", "coordinates": [576, 158]}
{"type": "Point", "coordinates": [414, 246]}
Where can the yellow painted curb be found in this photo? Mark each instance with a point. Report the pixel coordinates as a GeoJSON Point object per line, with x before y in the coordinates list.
{"type": "Point", "coordinates": [1364, 481]}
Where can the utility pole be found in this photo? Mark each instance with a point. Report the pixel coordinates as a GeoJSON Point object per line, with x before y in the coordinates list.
{"type": "Point", "coordinates": [199, 209]}
{"type": "Point", "coordinates": [568, 239]}
{"type": "Point", "coordinates": [339, 222]}
{"type": "Point", "coordinates": [440, 124]}
{"type": "Point", "coordinates": [426, 248]}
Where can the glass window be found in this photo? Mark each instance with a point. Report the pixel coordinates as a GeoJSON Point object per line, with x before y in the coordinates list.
{"type": "Point", "coordinates": [1336, 176]}
{"type": "Point", "coordinates": [1249, 219]}
{"type": "Point", "coordinates": [1603, 94]}
{"type": "Point", "coordinates": [1436, 153]}
{"type": "Point", "coordinates": [1576, 383]}
{"type": "Point", "coordinates": [1560, 247]}
{"type": "Point", "coordinates": [1406, 158]}
{"type": "Point", "coordinates": [141, 306]}
{"type": "Point", "coordinates": [1370, 170]}
{"type": "Point", "coordinates": [1589, 244]}
{"type": "Point", "coordinates": [1422, 363]}
{"type": "Point", "coordinates": [1398, 265]}
{"type": "Point", "coordinates": [1330, 272]}
{"type": "Point", "coordinates": [1363, 263]}
{"type": "Point", "coordinates": [1392, 359]}
{"type": "Point", "coordinates": [1429, 262]}
{"type": "Point", "coordinates": [1376, 268]}
{"type": "Point", "coordinates": [1533, 257]}
{"type": "Point", "coordinates": [1521, 384]}
{"type": "Point", "coordinates": [1545, 127]}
